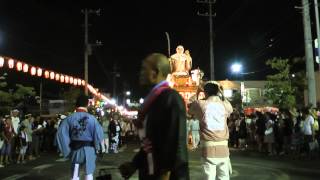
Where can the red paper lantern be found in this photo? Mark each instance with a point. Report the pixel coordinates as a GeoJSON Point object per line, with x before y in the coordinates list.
{"type": "Point", "coordinates": [25, 68]}
{"type": "Point", "coordinates": [39, 72]}
{"type": "Point", "coordinates": [79, 82]}
{"type": "Point", "coordinates": [71, 80]}
{"type": "Point", "coordinates": [46, 74]}
{"type": "Point", "coordinates": [66, 79]}
{"type": "Point", "coordinates": [11, 63]}
{"type": "Point", "coordinates": [1, 61]}
{"type": "Point", "coordinates": [52, 75]}
{"type": "Point", "coordinates": [62, 78]}
{"type": "Point", "coordinates": [33, 71]}
{"type": "Point", "coordinates": [19, 66]}
{"type": "Point", "coordinates": [83, 82]}
{"type": "Point", "coordinates": [75, 81]}
{"type": "Point", "coordinates": [57, 77]}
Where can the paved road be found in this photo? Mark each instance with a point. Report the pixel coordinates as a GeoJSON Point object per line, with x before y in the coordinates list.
{"type": "Point", "coordinates": [246, 166]}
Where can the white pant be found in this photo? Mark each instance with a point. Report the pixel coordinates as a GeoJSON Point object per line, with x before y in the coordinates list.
{"type": "Point", "coordinates": [217, 168]}
{"type": "Point", "coordinates": [76, 173]}
{"type": "Point", "coordinates": [195, 138]}
{"type": "Point", "coordinates": [105, 145]}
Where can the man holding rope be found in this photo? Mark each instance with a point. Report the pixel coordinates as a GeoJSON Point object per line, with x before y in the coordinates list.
{"type": "Point", "coordinates": [213, 112]}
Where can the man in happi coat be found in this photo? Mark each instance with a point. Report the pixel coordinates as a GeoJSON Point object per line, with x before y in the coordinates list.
{"type": "Point", "coordinates": [79, 137]}
{"type": "Point", "coordinates": [162, 127]}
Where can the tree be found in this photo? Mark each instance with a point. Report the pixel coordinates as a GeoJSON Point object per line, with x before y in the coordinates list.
{"type": "Point", "coordinates": [11, 98]}
{"type": "Point", "coordinates": [70, 97]}
{"type": "Point", "coordinates": [236, 100]}
{"type": "Point", "coordinates": [279, 87]}
{"type": "Point", "coordinates": [22, 92]}
{"type": "Point", "coordinates": [5, 102]}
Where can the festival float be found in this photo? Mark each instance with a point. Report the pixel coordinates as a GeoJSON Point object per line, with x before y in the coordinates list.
{"type": "Point", "coordinates": [180, 79]}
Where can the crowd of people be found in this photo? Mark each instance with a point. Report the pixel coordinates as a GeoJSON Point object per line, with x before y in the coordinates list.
{"type": "Point", "coordinates": [287, 132]}
{"type": "Point", "coordinates": [24, 138]}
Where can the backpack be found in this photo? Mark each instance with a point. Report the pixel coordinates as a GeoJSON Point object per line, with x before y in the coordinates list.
{"type": "Point", "coordinates": [316, 125]}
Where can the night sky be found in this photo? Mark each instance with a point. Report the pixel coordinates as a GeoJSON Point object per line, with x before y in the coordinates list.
{"type": "Point", "coordinates": [50, 34]}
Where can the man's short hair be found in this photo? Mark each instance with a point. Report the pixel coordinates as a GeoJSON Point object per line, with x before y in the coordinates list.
{"type": "Point", "coordinates": [211, 89]}
{"type": "Point", "coordinates": [82, 101]}
{"type": "Point", "coordinates": [161, 63]}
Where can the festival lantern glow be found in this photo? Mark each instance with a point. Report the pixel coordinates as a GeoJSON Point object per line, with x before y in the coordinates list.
{"type": "Point", "coordinates": [1, 61]}
{"type": "Point", "coordinates": [11, 63]}
{"type": "Point", "coordinates": [75, 81]}
{"type": "Point", "coordinates": [57, 77]}
{"type": "Point", "coordinates": [19, 66]}
{"type": "Point", "coordinates": [62, 78]}
{"type": "Point", "coordinates": [71, 80]}
{"type": "Point", "coordinates": [52, 75]}
{"type": "Point", "coordinates": [25, 68]}
{"type": "Point", "coordinates": [66, 79]}
{"type": "Point", "coordinates": [33, 71]}
{"type": "Point", "coordinates": [46, 74]}
{"type": "Point", "coordinates": [36, 71]}
{"type": "Point", "coordinates": [39, 72]}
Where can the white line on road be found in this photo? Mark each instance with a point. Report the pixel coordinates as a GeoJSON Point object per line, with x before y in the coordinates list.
{"type": "Point", "coordinates": [42, 167]}
{"type": "Point", "coordinates": [62, 160]}
{"type": "Point", "coordinates": [37, 168]}
{"type": "Point", "coordinates": [16, 176]}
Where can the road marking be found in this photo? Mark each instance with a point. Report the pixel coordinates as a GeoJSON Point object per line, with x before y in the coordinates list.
{"type": "Point", "coordinates": [17, 176]}
{"type": "Point", "coordinates": [62, 160]}
{"type": "Point", "coordinates": [277, 174]}
{"type": "Point", "coordinates": [136, 150]}
{"type": "Point", "coordinates": [42, 167]}
{"type": "Point", "coordinates": [107, 167]}
{"type": "Point", "coordinates": [235, 173]}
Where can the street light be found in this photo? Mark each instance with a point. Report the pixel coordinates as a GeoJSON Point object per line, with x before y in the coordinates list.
{"type": "Point", "coordinates": [128, 93]}
{"type": "Point", "coordinates": [141, 100]}
{"type": "Point", "coordinates": [236, 68]}
{"type": "Point", "coordinates": [112, 101]}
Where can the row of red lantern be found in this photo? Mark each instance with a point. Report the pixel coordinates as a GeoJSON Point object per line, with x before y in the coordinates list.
{"type": "Point", "coordinates": [24, 67]}
{"type": "Point", "coordinates": [1, 61]}
{"type": "Point", "coordinates": [20, 66]}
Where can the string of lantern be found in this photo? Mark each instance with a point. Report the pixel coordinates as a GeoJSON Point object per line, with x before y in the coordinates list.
{"type": "Point", "coordinates": [40, 72]}
{"type": "Point", "coordinates": [55, 76]}
{"type": "Point", "coordinates": [51, 75]}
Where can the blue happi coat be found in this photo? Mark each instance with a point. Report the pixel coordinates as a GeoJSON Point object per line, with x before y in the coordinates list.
{"type": "Point", "coordinates": [80, 126]}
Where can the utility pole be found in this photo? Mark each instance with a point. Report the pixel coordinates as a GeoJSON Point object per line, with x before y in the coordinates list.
{"type": "Point", "coordinates": [86, 50]}
{"type": "Point", "coordinates": [115, 74]}
{"type": "Point", "coordinates": [316, 10]}
{"type": "Point", "coordinates": [309, 53]}
{"type": "Point", "coordinates": [40, 99]}
{"type": "Point", "coordinates": [210, 15]}
{"type": "Point", "coordinates": [87, 45]}
{"type": "Point", "coordinates": [168, 41]}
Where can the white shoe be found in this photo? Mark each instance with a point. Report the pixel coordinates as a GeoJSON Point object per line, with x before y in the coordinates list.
{"type": "Point", "coordinates": [1, 166]}
{"type": "Point", "coordinates": [89, 177]}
